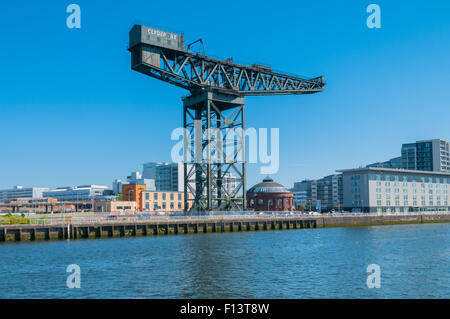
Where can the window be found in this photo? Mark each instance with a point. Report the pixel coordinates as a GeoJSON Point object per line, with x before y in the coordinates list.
{"type": "Point", "coordinates": [164, 196]}
{"type": "Point", "coordinates": [155, 196]}
{"type": "Point", "coordinates": [252, 202]}
{"type": "Point", "coordinates": [171, 196]}
{"type": "Point", "coordinates": [179, 196]}
{"type": "Point", "coordinates": [179, 205]}
{"type": "Point", "coordinates": [270, 203]}
{"type": "Point", "coordinates": [147, 196]}
{"type": "Point", "coordinates": [260, 202]}
{"type": "Point", "coordinates": [164, 205]}
{"type": "Point", "coordinates": [171, 205]}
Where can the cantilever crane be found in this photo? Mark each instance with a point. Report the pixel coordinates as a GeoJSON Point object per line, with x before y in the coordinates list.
{"type": "Point", "coordinates": [217, 90]}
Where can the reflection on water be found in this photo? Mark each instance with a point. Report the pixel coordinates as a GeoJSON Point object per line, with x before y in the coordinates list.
{"type": "Point", "coordinates": [307, 263]}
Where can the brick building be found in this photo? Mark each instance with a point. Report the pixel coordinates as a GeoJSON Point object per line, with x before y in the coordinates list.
{"type": "Point", "coordinates": [133, 193]}
{"type": "Point", "coordinates": [270, 196]}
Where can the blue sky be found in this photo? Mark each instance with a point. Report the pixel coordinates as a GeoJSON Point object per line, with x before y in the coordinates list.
{"type": "Point", "coordinates": [72, 112]}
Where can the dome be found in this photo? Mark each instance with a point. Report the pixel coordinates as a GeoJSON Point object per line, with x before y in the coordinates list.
{"type": "Point", "coordinates": [268, 186]}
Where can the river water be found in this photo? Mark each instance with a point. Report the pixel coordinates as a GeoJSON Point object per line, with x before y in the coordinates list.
{"type": "Point", "coordinates": [308, 263]}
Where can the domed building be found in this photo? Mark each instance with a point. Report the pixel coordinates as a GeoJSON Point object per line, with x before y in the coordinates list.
{"type": "Point", "coordinates": [270, 196]}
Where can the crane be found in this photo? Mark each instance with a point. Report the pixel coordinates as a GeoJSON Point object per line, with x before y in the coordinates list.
{"type": "Point", "coordinates": [217, 91]}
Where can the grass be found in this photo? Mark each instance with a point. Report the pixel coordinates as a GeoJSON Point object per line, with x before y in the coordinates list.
{"type": "Point", "coordinates": [13, 220]}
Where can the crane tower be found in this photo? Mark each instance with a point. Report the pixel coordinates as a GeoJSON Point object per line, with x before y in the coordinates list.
{"type": "Point", "coordinates": [213, 113]}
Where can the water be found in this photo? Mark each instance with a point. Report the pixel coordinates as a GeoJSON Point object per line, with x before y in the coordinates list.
{"type": "Point", "coordinates": [307, 263]}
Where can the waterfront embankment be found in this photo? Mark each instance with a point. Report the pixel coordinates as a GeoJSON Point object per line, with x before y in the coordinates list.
{"type": "Point", "coordinates": [73, 228]}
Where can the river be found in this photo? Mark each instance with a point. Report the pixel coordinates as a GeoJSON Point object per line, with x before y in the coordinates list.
{"type": "Point", "coordinates": [307, 263]}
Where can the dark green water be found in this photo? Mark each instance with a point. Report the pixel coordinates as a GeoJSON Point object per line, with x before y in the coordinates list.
{"type": "Point", "coordinates": [307, 263]}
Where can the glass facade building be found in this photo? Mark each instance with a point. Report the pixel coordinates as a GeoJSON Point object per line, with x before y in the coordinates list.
{"type": "Point", "coordinates": [429, 155]}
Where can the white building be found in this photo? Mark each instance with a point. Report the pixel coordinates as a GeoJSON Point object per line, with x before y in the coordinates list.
{"type": "Point", "coordinates": [80, 193]}
{"type": "Point", "coordinates": [395, 190]}
{"type": "Point", "coordinates": [21, 192]}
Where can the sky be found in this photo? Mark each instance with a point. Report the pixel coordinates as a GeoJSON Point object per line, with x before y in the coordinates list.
{"type": "Point", "coordinates": [72, 112]}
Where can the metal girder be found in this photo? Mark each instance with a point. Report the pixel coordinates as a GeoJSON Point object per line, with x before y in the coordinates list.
{"type": "Point", "coordinates": [214, 176]}
{"type": "Point", "coordinates": [200, 73]}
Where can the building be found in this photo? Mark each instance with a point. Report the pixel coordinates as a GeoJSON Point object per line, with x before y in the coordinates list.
{"type": "Point", "coordinates": [395, 162]}
{"type": "Point", "coordinates": [117, 186]}
{"type": "Point", "coordinates": [133, 193]}
{"type": "Point", "coordinates": [79, 193]}
{"type": "Point", "coordinates": [305, 187]}
{"type": "Point", "coordinates": [169, 177]}
{"type": "Point", "coordinates": [115, 206]}
{"type": "Point", "coordinates": [428, 155]}
{"type": "Point", "coordinates": [21, 192]}
{"type": "Point", "coordinates": [136, 178]}
{"type": "Point", "coordinates": [300, 198]}
{"type": "Point", "coordinates": [330, 192]}
{"type": "Point", "coordinates": [393, 190]}
{"type": "Point", "coordinates": [325, 194]}
{"type": "Point", "coordinates": [149, 170]}
{"type": "Point", "coordinates": [30, 205]}
{"type": "Point", "coordinates": [163, 201]}
{"type": "Point", "coordinates": [270, 196]}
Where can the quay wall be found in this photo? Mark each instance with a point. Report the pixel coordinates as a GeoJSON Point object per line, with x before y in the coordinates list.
{"type": "Point", "coordinates": [152, 227]}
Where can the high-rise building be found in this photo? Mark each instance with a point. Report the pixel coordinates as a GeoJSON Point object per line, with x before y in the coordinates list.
{"type": "Point", "coordinates": [326, 192]}
{"type": "Point", "coordinates": [21, 192]}
{"type": "Point", "coordinates": [149, 170]}
{"type": "Point", "coordinates": [305, 188]}
{"type": "Point", "coordinates": [429, 155]}
{"type": "Point", "coordinates": [168, 177]}
{"type": "Point", "coordinates": [117, 186]}
{"type": "Point", "coordinates": [300, 198]}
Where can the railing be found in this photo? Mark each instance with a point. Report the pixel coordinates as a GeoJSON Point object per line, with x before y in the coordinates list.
{"type": "Point", "coordinates": [109, 218]}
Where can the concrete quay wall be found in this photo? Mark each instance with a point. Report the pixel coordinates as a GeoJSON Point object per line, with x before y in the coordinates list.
{"type": "Point", "coordinates": [102, 229]}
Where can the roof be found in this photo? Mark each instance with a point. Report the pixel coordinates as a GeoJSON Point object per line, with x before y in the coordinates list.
{"type": "Point", "coordinates": [392, 170]}
{"type": "Point", "coordinates": [268, 186]}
